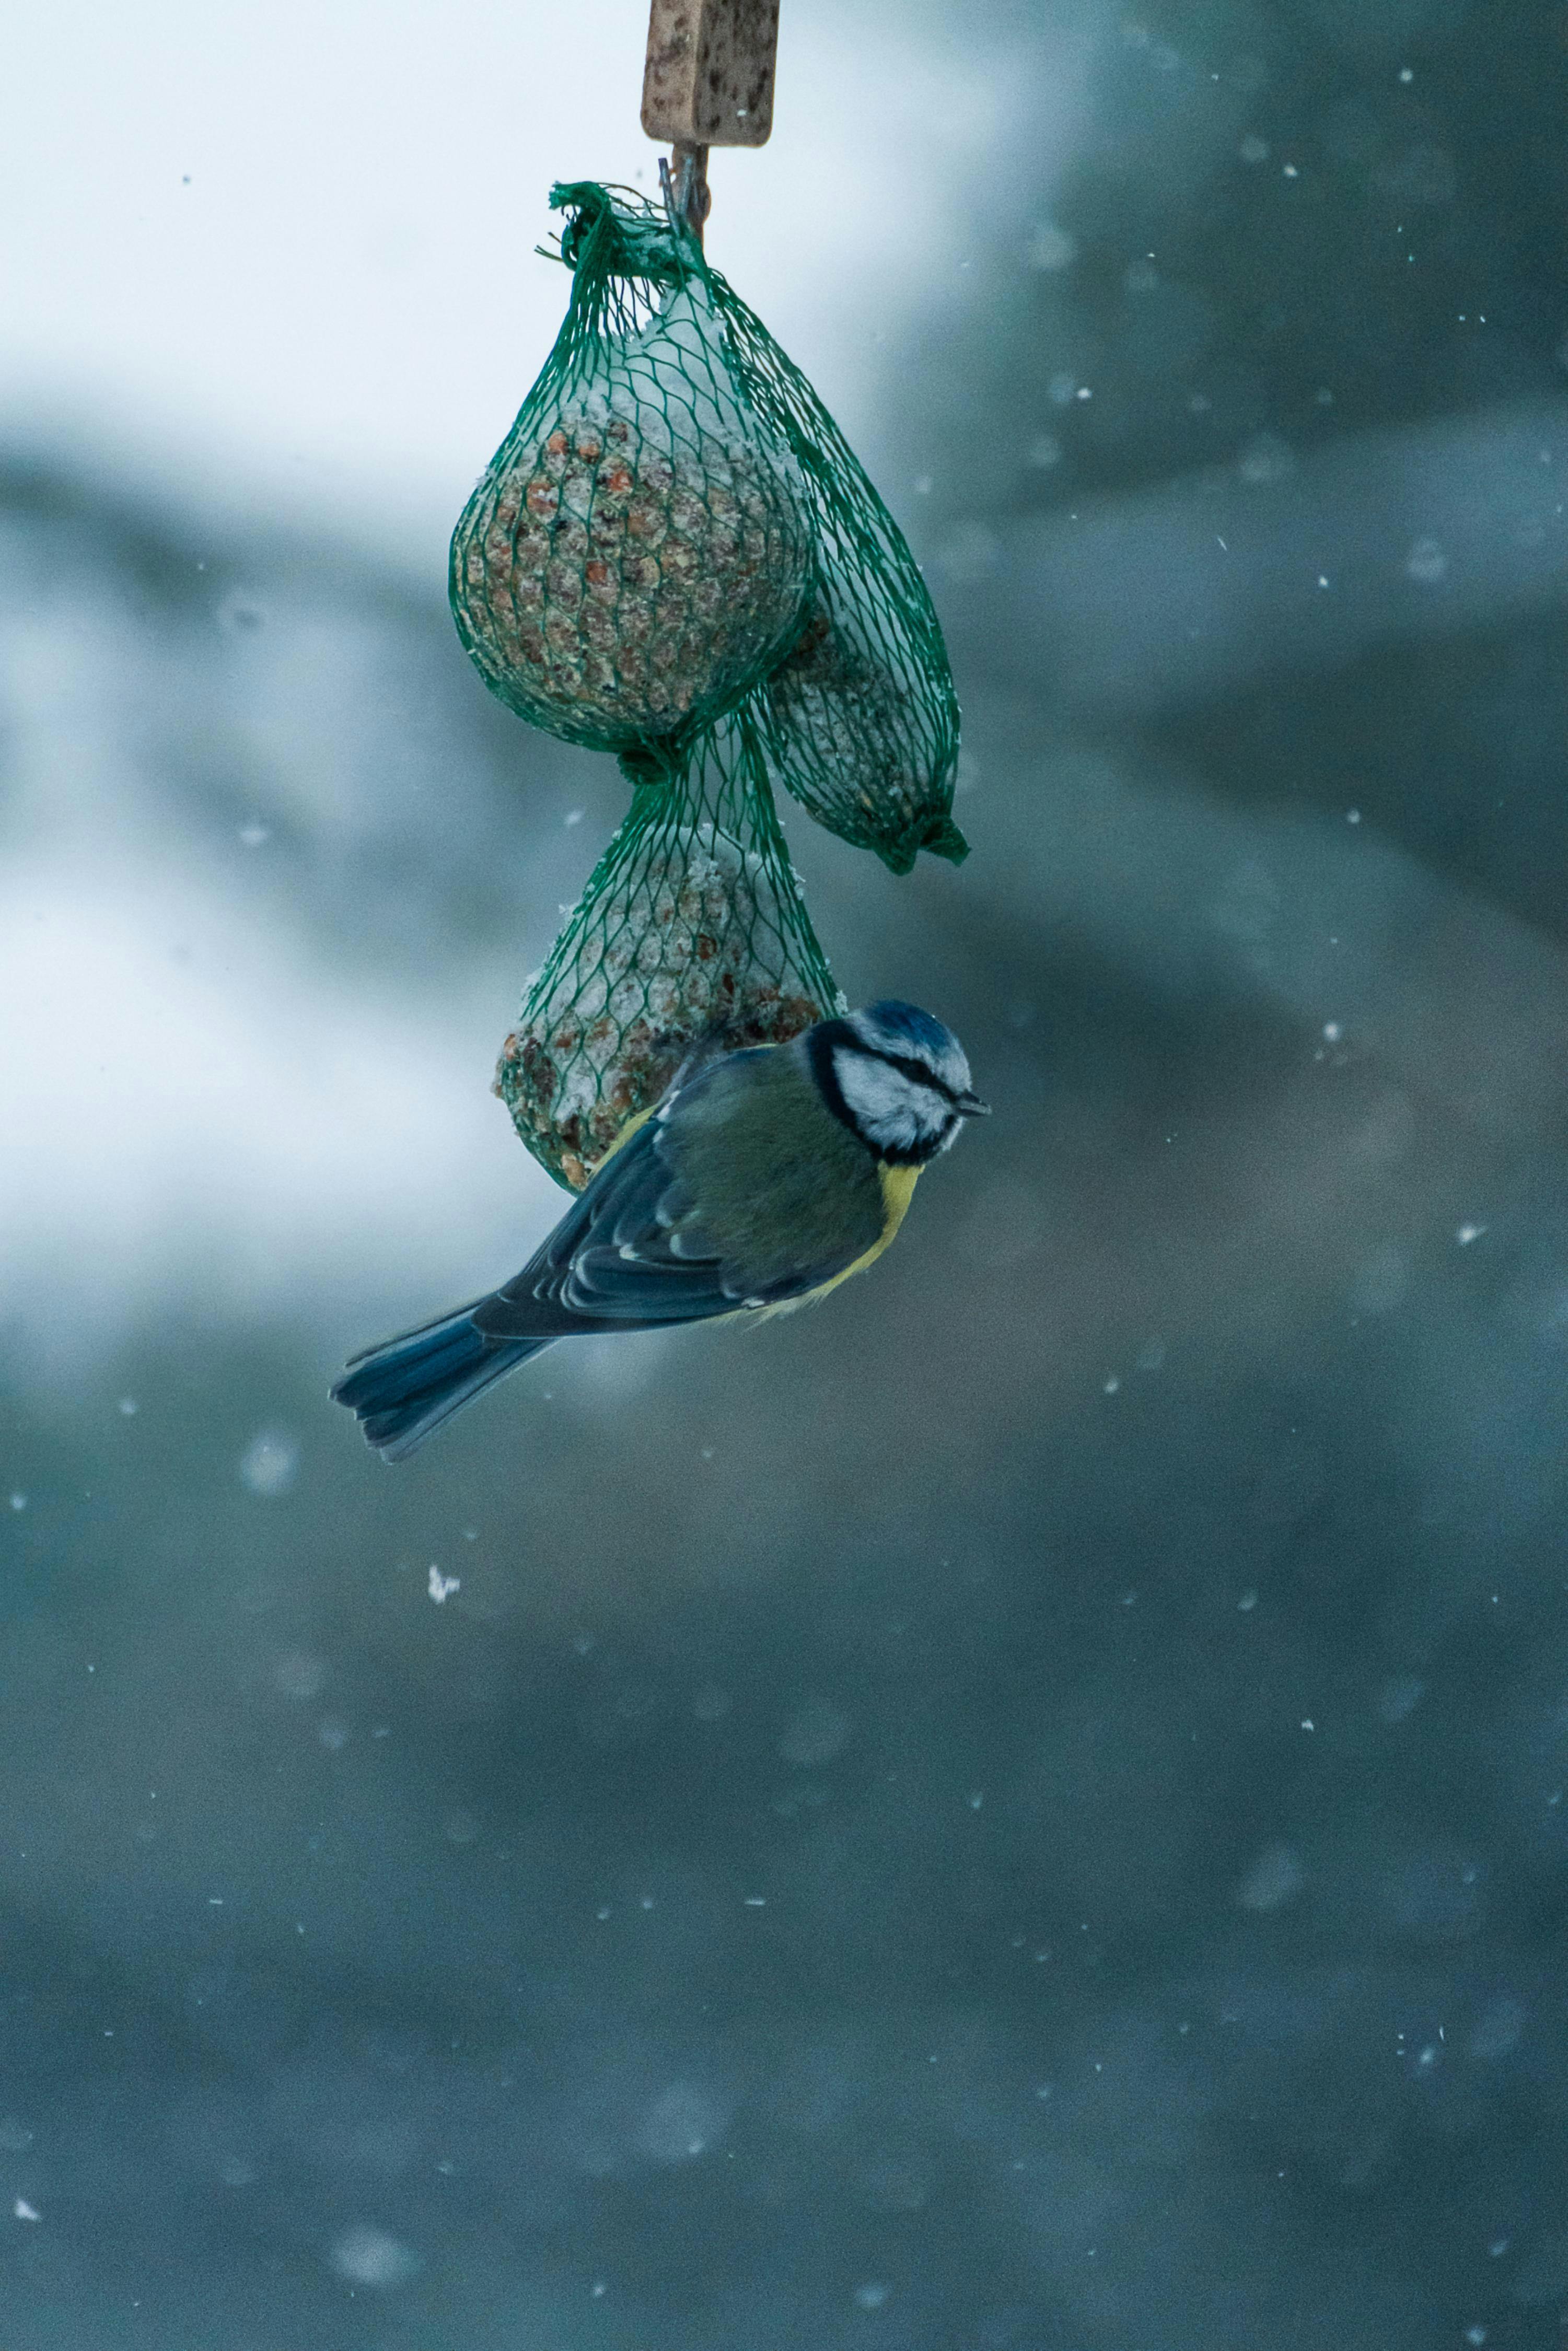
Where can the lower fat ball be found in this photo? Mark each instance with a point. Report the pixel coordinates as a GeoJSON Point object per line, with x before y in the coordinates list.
{"type": "Point", "coordinates": [764, 1178]}
{"type": "Point", "coordinates": [698, 942]}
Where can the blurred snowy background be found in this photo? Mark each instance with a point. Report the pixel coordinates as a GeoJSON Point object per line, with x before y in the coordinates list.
{"type": "Point", "coordinates": [1026, 1810]}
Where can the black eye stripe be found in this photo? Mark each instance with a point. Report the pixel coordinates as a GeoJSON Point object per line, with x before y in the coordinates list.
{"type": "Point", "coordinates": [921, 1073]}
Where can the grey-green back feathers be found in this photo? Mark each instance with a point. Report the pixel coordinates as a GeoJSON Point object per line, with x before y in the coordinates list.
{"type": "Point", "coordinates": [779, 1187]}
{"type": "Point", "coordinates": [744, 1189]}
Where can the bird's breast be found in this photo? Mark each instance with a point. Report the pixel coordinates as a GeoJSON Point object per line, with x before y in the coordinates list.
{"type": "Point", "coordinates": [897, 1191]}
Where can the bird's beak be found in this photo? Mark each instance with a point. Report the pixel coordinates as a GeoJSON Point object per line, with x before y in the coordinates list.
{"type": "Point", "coordinates": [971, 1106]}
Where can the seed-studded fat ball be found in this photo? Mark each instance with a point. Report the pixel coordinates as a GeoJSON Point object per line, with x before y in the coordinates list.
{"type": "Point", "coordinates": [691, 942]}
{"type": "Point", "coordinates": [637, 554]}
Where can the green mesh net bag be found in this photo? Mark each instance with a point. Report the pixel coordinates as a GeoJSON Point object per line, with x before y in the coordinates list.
{"type": "Point", "coordinates": [639, 552]}
{"type": "Point", "coordinates": [691, 926]}
{"type": "Point", "coordinates": [675, 556]}
{"type": "Point", "coordinates": [860, 721]}
{"type": "Point", "coordinates": [674, 521]}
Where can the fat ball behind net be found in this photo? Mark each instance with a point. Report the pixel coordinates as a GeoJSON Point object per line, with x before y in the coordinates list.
{"type": "Point", "coordinates": [638, 553]}
{"type": "Point", "coordinates": [675, 556]}
{"type": "Point", "coordinates": [691, 926]}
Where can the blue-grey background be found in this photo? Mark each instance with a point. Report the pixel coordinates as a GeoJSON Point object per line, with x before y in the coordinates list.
{"type": "Point", "coordinates": [1028, 1808]}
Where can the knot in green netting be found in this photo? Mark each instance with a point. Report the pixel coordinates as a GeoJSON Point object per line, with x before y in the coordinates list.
{"type": "Point", "coordinates": [675, 556]}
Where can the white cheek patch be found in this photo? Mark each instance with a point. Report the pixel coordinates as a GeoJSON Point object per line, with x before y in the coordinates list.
{"type": "Point", "coordinates": [890, 1109]}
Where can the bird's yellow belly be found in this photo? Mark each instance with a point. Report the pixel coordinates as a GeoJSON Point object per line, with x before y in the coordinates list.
{"type": "Point", "coordinates": [897, 1191]}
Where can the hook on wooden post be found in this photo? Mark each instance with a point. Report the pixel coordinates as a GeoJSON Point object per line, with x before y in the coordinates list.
{"type": "Point", "coordinates": [708, 83]}
{"type": "Point", "coordinates": [690, 194]}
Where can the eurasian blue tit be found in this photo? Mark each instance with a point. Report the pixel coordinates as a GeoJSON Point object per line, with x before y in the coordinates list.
{"type": "Point", "coordinates": [763, 1180]}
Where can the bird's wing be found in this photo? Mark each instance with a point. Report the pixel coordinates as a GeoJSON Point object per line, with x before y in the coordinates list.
{"type": "Point", "coordinates": [634, 1252]}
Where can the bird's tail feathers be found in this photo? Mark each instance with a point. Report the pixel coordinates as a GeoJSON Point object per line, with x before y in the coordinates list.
{"type": "Point", "coordinates": [404, 1391]}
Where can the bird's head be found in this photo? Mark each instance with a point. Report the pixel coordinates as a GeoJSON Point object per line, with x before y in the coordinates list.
{"type": "Point", "coordinates": [896, 1078]}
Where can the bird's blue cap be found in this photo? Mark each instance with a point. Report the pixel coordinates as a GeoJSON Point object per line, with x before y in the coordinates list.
{"type": "Point", "coordinates": [904, 1032]}
{"type": "Point", "coordinates": [896, 1020]}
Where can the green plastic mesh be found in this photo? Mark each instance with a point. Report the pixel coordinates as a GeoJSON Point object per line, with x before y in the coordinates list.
{"type": "Point", "coordinates": [638, 551]}
{"type": "Point", "coordinates": [675, 556]}
{"type": "Point", "coordinates": [860, 721]}
{"type": "Point", "coordinates": [692, 923]}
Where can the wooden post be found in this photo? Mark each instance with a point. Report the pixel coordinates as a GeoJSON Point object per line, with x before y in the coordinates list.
{"type": "Point", "coordinates": [708, 83]}
{"type": "Point", "coordinates": [709, 78]}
